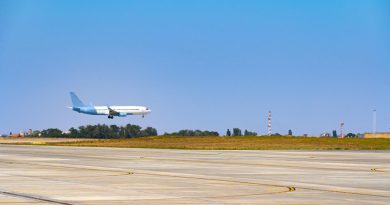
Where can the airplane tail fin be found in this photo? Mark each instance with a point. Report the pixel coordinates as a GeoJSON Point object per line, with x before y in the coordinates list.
{"type": "Point", "coordinates": [76, 101]}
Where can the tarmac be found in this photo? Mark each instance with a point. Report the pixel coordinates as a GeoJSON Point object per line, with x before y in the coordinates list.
{"type": "Point", "coordinates": [82, 175]}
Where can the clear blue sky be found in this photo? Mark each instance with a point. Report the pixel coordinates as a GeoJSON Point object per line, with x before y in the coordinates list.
{"type": "Point", "coordinates": [197, 64]}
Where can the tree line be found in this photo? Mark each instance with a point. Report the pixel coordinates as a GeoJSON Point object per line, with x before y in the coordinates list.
{"type": "Point", "coordinates": [100, 131]}
{"type": "Point", "coordinates": [237, 132]}
{"type": "Point", "coordinates": [193, 133]}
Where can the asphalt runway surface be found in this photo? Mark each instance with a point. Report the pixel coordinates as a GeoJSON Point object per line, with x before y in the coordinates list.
{"type": "Point", "coordinates": [81, 175]}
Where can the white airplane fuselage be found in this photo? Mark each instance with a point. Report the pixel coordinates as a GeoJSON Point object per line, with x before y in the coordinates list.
{"type": "Point", "coordinates": [111, 111]}
{"type": "Point", "coordinates": [106, 110]}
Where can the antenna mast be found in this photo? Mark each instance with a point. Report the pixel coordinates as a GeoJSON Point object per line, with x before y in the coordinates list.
{"type": "Point", "coordinates": [374, 122]}
{"type": "Point", "coordinates": [269, 124]}
{"type": "Point", "coordinates": [342, 129]}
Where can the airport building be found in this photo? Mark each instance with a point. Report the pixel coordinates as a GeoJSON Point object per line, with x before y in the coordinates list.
{"type": "Point", "coordinates": [377, 135]}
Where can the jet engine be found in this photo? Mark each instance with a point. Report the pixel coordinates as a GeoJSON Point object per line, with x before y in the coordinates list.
{"type": "Point", "coordinates": [122, 114]}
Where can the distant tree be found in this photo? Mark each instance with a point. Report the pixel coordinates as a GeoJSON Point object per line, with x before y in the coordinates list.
{"type": "Point", "coordinates": [133, 130]}
{"type": "Point", "coordinates": [198, 133]}
{"type": "Point", "coordinates": [209, 133]}
{"type": "Point", "coordinates": [351, 135]}
{"type": "Point", "coordinates": [95, 131]}
{"type": "Point", "coordinates": [185, 133]}
{"type": "Point", "coordinates": [51, 132]}
{"type": "Point", "coordinates": [249, 133]}
{"type": "Point", "coordinates": [36, 133]}
{"type": "Point", "coordinates": [114, 131]}
{"type": "Point", "coordinates": [228, 133]}
{"type": "Point", "coordinates": [334, 133]}
{"type": "Point", "coordinates": [290, 132]}
{"type": "Point", "coordinates": [149, 131]}
{"type": "Point", "coordinates": [276, 134]}
{"type": "Point", "coordinates": [73, 132]}
{"type": "Point", "coordinates": [122, 132]}
{"type": "Point", "coordinates": [193, 133]}
{"type": "Point", "coordinates": [98, 131]}
{"type": "Point", "coordinates": [237, 132]}
{"type": "Point", "coordinates": [82, 132]}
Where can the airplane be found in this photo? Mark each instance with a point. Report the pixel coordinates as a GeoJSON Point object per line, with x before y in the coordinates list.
{"type": "Point", "coordinates": [111, 111]}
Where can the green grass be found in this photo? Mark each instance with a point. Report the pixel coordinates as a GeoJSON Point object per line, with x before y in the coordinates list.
{"type": "Point", "coordinates": [237, 143]}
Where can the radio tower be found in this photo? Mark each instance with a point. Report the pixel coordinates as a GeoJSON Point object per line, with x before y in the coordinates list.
{"type": "Point", "coordinates": [269, 124]}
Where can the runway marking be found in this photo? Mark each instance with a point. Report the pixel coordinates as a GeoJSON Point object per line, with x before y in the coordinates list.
{"type": "Point", "coordinates": [16, 202]}
{"type": "Point", "coordinates": [292, 189]}
{"type": "Point", "coordinates": [289, 189]}
{"type": "Point", "coordinates": [113, 175]}
{"type": "Point", "coordinates": [38, 198]}
{"type": "Point", "coordinates": [325, 189]}
{"type": "Point", "coordinates": [212, 162]}
{"type": "Point", "coordinates": [379, 170]}
{"type": "Point", "coordinates": [202, 178]}
{"type": "Point", "coordinates": [150, 173]}
{"type": "Point", "coordinates": [226, 180]}
{"type": "Point", "coordinates": [252, 164]}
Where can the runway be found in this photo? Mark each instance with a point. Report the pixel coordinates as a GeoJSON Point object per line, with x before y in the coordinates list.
{"type": "Point", "coordinates": [81, 175]}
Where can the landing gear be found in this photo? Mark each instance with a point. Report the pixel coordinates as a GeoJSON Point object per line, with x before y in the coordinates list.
{"type": "Point", "coordinates": [110, 117]}
{"type": "Point", "coordinates": [143, 116]}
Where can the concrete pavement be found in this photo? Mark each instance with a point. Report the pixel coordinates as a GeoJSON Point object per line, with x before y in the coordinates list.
{"type": "Point", "coordinates": [81, 175]}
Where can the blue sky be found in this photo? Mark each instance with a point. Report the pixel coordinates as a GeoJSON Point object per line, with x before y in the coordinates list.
{"type": "Point", "coordinates": [198, 64]}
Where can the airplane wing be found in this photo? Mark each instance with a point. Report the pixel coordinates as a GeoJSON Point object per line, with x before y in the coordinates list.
{"type": "Point", "coordinates": [111, 111]}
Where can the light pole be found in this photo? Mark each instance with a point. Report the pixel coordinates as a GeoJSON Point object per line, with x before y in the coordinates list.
{"type": "Point", "coordinates": [374, 122]}
{"type": "Point", "coordinates": [269, 125]}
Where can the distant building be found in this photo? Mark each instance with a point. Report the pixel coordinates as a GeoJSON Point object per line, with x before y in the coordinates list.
{"type": "Point", "coordinates": [377, 135]}
{"type": "Point", "coordinates": [21, 134]}
{"type": "Point", "coordinates": [360, 135]}
{"type": "Point", "coordinates": [14, 135]}
{"type": "Point", "coordinates": [325, 135]}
